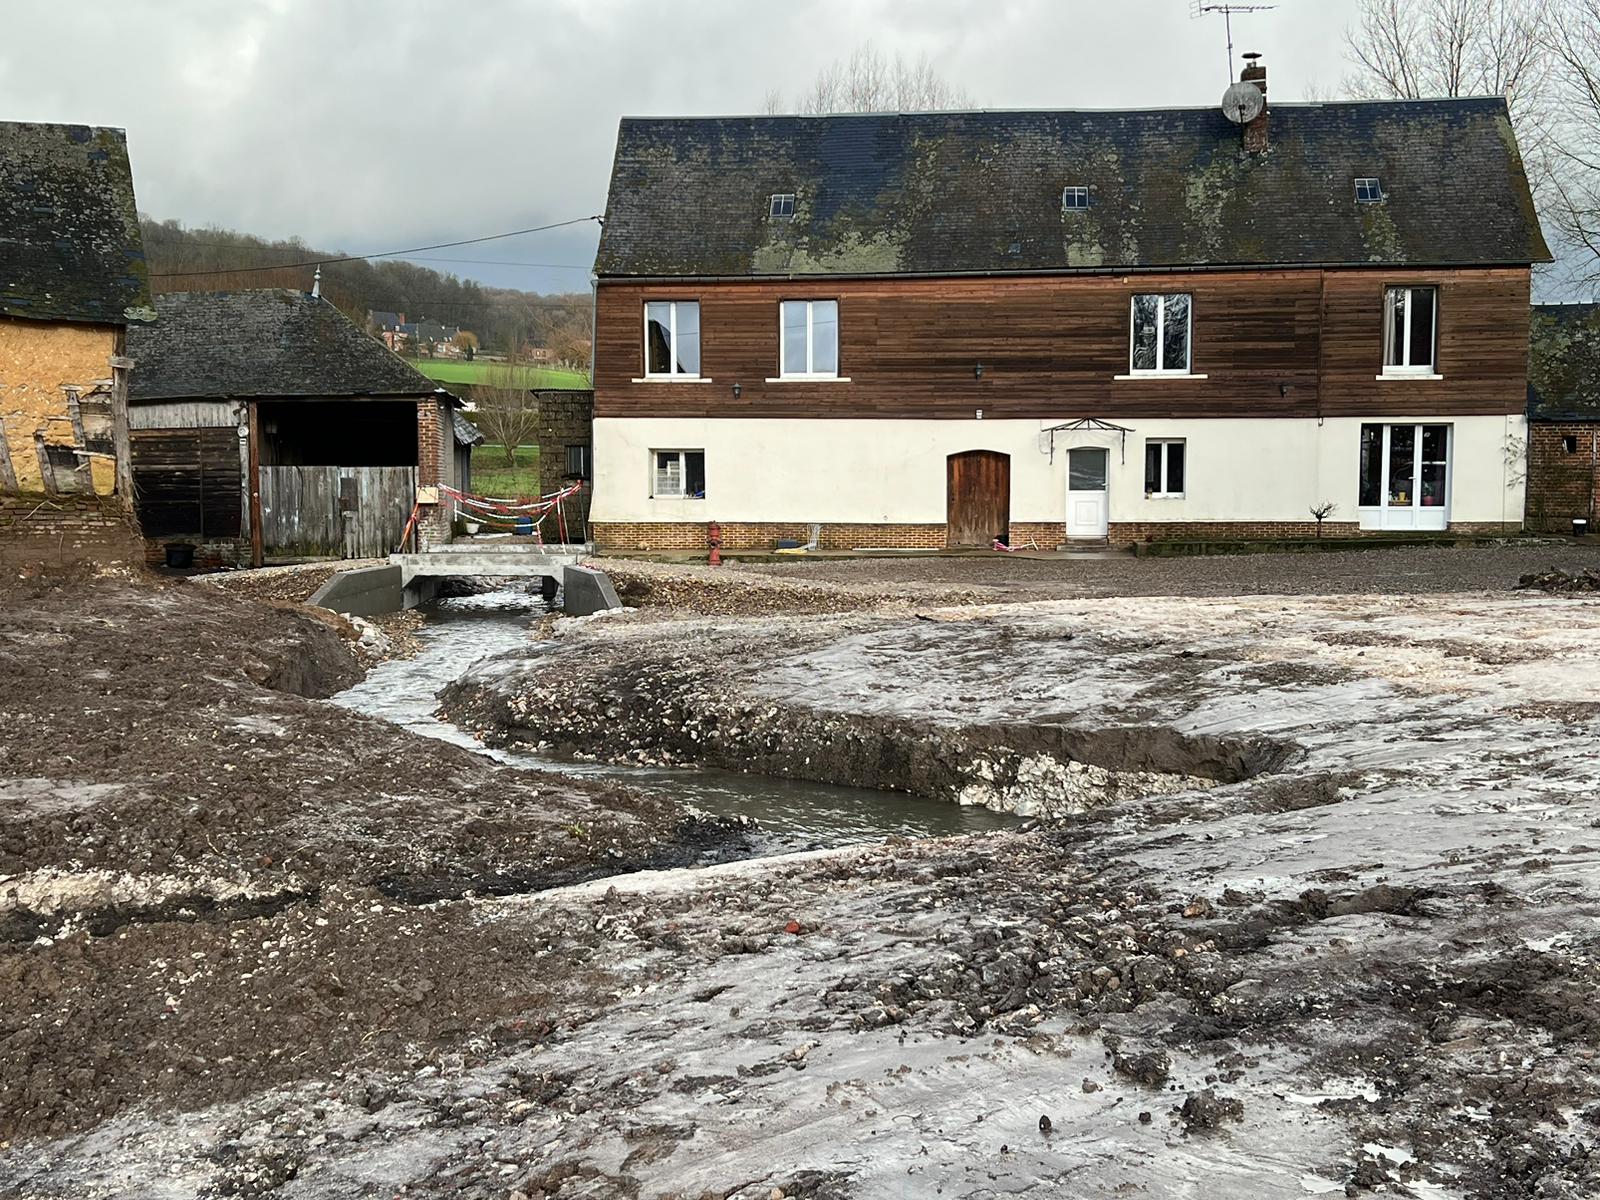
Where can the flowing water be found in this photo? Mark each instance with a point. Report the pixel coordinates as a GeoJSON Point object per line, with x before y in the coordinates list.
{"type": "Point", "coordinates": [791, 814]}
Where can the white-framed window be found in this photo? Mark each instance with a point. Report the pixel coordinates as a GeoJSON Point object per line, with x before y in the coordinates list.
{"type": "Point", "coordinates": [1410, 330]}
{"type": "Point", "coordinates": [1074, 196]}
{"type": "Point", "coordinates": [1405, 469]}
{"type": "Point", "coordinates": [1164, 463]}
{"type": "Point", "coordinates": [1368, 190]}
{"type": "Point", "coordinates": [1159, 344]}
{"type": "Point", "coordinates": [808, 339]}
{"type": "Point", "coordinates": [672, 339]}
{"type": "Point", "coordinates": [678, 474]}
{"type": "Point", "coordinates": [780, 206]}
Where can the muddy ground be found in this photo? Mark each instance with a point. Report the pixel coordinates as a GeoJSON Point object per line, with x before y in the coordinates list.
{"type": "Point", "coordinates": [210, 881]}
{"type": "Point", "coordinates": [1311, 908]}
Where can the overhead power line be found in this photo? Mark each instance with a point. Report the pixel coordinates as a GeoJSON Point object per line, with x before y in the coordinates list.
{"type": "Point", "coordinates": [322, 262]}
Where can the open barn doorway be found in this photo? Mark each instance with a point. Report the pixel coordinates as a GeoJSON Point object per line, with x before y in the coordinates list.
{"type": "Point", "coordinates": [977, 498]}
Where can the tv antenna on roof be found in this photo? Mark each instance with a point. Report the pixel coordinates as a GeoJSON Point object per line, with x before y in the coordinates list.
{"type": "Point", "coordinates": [1199, 8]}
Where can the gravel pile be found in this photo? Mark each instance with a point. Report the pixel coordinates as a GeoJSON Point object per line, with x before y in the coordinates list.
{"type": "Point", "coordinates": [1587, 580]}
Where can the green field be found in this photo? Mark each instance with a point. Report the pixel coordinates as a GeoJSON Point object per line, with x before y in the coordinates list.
{"type": "Point", "coordinates": [456, 370]}
{"type": "Point", "coordinates": [491, 476]}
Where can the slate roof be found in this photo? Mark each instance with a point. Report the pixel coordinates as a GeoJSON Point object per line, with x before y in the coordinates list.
{"type": "Point", "coordinates": [1564, 363]}
{"type": "Point", "coordinates": [274, 342]}
{"type": "Point", "coordinates": [70, 248]}
{"type": "Point", "coordinates": [466, 433]}
{"type": "Point", "coordinates": [980, 192]}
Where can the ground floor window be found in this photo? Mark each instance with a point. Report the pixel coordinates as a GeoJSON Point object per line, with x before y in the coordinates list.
{"type": "Point", "coordinates": [1163, 467]}
{"type": "Point", "coordinates": [580, 462]}
{"type": "Point", "coordinates": [1405, 476]}
{"type": "Point", "coordinates": [680, 473]}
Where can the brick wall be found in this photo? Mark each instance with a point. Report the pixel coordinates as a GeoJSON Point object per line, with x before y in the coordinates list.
{"type": "Point", "coordinates": [1563, 484]}
{"type": "Point", "coordinates": [65, 529]}
{"type": "Point", "coordinates": [653, 536]}
{"type": "Point", "coordinates": [210, 555]}
{"type": "Point", "coordinates": [435, 441]}
{"type": "Point", "coordinates": [566, 418]}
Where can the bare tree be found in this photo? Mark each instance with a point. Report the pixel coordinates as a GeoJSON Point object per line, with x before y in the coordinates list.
{"type": "Point", "coordinates": [506, 408]}
{"type": "Point", "coordinates": [870, 82]}
{"type": "Point", "coordinates": [1572, 39]}
{"type": "Point", "coordinates": [1408, 49]}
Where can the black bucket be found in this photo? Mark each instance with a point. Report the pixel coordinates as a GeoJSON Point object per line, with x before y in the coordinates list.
{"type": "Point", "coordinates": [180, 555]}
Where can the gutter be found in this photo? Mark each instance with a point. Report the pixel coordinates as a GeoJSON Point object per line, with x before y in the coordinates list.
{"type": "Point", "coordinates": [1061, 273]}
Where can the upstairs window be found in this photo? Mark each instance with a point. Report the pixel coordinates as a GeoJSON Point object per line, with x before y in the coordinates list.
{"type": "Point", "coordinates": [672, 339]}
{"type": "Point", "coordinates": [780, 206]}
{"type": "Point", "coordinates": [1161, 333]}
{"type": "Point", "coordinates": [1410, 327]}
{"type": "Point", "coordinates": [679, 474]}
{"type": "Point", "coordinates": [1368, 190]}
{"type": "Point", "coordinates": [1163, 467]}
{"type": "Point", "coordinates": [808, 339]}
{"type": "Point", "coordinates": [1074, 197]}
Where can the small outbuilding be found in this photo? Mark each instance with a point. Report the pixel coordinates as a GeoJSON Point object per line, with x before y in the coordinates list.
{"type": "Point", "coordinates": [265, 426]}
{"type": "Point", "coordinates": [1564, 417]}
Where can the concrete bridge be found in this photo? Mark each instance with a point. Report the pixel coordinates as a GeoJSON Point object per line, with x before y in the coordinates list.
{"type": "Point", "coordinates": [512, 559]}
{"type": "Point", "coordinates": [412, 579]}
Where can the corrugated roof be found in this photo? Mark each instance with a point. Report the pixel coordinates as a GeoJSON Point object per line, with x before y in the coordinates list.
{"type": "Point", "coordinates": [273, 342]}
{"type": "Point", "coordinates": [979, 192]}
{"type": "Point", "coordinates": [70, 248]}
{"type": "Point", "coordinates": [1564, 363]}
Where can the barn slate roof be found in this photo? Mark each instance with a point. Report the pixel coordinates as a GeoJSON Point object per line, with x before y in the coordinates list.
{"type": "Point", "coordinates": [274, 342]}
{"type": "Point", "coordinates": [980, 192]}
{"type": "Point", "coordinates": [1564, 363]}
{"type": "Point", "coordinates": [70, 247]}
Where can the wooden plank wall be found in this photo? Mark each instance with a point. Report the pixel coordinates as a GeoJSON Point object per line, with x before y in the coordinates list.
{"type": "Point", "coordinates": [1271, 343]}
{"type": "Point", "coordinates": [335, 512]}
{"type": "Point", "coordinates": [186, 482]}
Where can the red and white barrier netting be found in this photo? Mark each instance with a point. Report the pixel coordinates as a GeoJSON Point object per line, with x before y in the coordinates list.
{"type": "Point", "coordinates": [521, 514]}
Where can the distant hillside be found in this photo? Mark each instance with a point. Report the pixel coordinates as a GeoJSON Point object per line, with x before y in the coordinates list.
{"type": "Point", "coordinates": [502, 318]}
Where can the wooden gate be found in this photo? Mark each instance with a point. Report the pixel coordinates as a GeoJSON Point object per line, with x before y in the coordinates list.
{"type": "Point", "coordinates": [977, 498]}
{"type": "Point", "coordinates": [335, 512]}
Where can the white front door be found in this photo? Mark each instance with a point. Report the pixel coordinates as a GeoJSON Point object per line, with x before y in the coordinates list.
{"type": "Point", "coordinates": [1087, 509]}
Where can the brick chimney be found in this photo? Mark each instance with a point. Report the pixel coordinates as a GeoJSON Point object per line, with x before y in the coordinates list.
{"type": "Point", "coordinates": [1255, 133]}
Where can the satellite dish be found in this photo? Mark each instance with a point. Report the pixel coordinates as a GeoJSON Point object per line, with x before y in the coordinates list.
{"type": "Point", "coordinates": [1242, 103]}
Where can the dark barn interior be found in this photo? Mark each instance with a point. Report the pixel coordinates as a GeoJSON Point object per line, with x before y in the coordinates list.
{"type": "Point", "coordinates": [338, 433]}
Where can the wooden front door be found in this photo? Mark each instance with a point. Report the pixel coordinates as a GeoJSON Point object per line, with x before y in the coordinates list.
{"type": "Point", "coordinates": [977, 498]}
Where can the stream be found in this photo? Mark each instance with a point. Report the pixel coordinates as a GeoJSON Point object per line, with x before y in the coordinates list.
{"type": "Point", "coordinates": [790, 814]}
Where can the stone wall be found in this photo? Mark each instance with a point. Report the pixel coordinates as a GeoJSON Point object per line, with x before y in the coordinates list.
{"type": "Point", "coordinates": [1563, 474]}
{"type": "Point", "coordinates": [566, 419]}
{"type": "Point", "coordinates": [55, 530]}
{"type": "Point", "coordinates": [56, 408]}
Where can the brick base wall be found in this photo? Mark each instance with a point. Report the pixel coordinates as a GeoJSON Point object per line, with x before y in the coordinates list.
{"type": "Point", "coordinates": [1562, 484]}
{"type": "Point", "coordinates": [54, 530]}
{"type": "Point", "coordinates": [213, 555]}
{"type": "Point", "coordinates": [656, 536]}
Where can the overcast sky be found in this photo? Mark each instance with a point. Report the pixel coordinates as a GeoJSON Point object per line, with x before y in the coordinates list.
{"type": "Point", "coordinates": [365, 125]}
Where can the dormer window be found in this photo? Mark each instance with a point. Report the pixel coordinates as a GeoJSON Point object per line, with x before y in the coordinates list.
{"type": "Point", "coordinates": [1368, 191]}
{"type": "Point", "coordinates": [780, 207]}
{"type": "Point", "coordinates": [1074, 197]}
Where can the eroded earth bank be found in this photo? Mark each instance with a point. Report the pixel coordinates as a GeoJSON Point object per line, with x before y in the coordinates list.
{"type": "Point", "coordinates": [1310, 908]}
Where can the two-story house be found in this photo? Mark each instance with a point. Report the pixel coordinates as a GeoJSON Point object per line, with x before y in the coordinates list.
{"type": "Point", "coordinates": [941, 328]}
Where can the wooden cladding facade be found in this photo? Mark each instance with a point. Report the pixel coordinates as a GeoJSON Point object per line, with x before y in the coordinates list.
{"type": "Point", "coordinates": [1289, 343]}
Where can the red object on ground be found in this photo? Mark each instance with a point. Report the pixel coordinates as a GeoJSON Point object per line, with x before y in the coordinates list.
{"type": "Point", "coordinates": [714, 540]}
{"type": "Point", "coordinates": [792, 927]}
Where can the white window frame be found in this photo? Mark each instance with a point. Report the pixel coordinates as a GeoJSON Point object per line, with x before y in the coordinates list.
{"type": "Point", "coordinates": [1074, 192]}
{"type": "Point", "coordinates": [1408, 370]}
{"type": "Point", "coordinates": [775, 202]}
{"type": "Point", "coordinates": [1377, 516]}
{"type": "Point", "coordinates": [1164, 443]}
{"type": "Point", "coordinates": [1375, 190]}
{"type": "Point", "coordinates": [683, 475]}
{"type": "Point", "coordinates": [1161, 338]}
{"type": "Point", "coordinates": [672, 375]}
{"type": "Point", "coordinates": [808, 375]}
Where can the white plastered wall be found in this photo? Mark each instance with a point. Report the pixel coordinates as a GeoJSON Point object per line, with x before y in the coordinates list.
{"type": "Point", "coordinates": [893, 471]}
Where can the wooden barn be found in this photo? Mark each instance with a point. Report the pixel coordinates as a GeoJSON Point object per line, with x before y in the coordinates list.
{"type": "Point", "coordinates": [265, 426]}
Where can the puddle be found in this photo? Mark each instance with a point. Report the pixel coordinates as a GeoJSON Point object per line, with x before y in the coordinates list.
{"type": "Point", "coordinates": [791, 814]}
